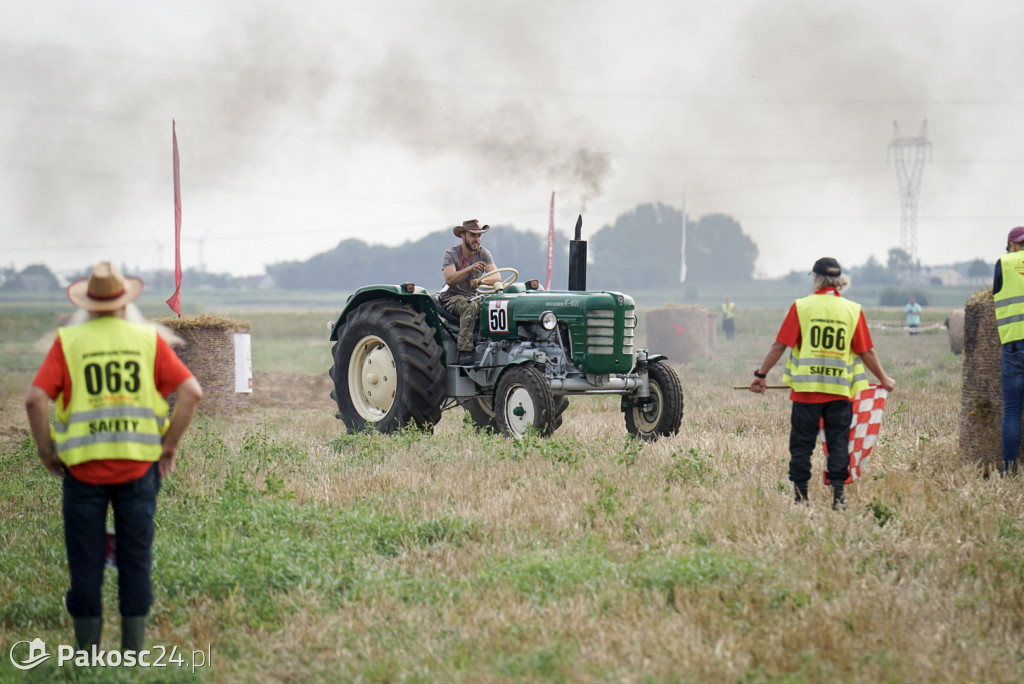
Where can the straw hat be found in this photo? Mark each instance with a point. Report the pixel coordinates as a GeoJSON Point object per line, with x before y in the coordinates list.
{"type": "Point", "coordinates": [472, 226]}
{"type": "Point", "coordinates": [105, 290]}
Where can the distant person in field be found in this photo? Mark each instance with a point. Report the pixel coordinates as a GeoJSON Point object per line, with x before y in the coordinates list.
{"type": "Point", "coordinates": [1008, 292]}
{"type": "Point", "coordinates": [913, 312]}
{"type": "Point", "coordinates": [112, 443]}
{"type": "Point", "coordinates": [830, 346]}
{"type": "Point", "coordinates": [728, 318]}
{"type": "Point", "coordinates": [465, 266]}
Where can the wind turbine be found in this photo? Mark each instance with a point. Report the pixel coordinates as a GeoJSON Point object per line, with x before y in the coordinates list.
{"type": "Point", "coordinates": [159, 252]}
{"type": "Point", "coordinates": [200, 241]}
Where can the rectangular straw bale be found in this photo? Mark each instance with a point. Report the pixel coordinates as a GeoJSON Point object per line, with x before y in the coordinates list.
{"type": "Point", "coordinates": [209, 352]}
{"type": "Point", "coordinates": [679, 332]}
{"type": "Point", "coordinates": [981, 403]}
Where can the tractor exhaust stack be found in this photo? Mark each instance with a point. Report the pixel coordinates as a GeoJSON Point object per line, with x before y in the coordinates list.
{"type": "Point", "coordinates": [578, 260]}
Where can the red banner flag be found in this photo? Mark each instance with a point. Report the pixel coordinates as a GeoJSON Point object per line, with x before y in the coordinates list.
{"type": "Point", "coordinates": [868, 407]}
{"type": "Point", "coordinates": [175, 301]}
{"type": "Point", "coordinates": [551, 241]}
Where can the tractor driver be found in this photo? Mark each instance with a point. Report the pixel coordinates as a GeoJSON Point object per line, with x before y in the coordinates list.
{"type": "Point", "coordinates": [465, 266]}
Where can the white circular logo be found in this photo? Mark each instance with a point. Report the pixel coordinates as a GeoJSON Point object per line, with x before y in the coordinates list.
{"type": "Point", "coordinates": [36, 654]}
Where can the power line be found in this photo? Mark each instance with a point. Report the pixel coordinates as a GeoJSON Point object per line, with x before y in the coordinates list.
{"type": "Point", "coordinates": [136, 59]}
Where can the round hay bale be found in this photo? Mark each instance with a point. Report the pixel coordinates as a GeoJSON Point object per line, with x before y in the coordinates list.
{"type": "Point", "coordinates": [213, 353]}
{"type": "Point", "coordinates": [981, 402]}
{"type": "Point", "coordinates": [956, 331]}
{"type": "Point", "coordinates": [679, 332]}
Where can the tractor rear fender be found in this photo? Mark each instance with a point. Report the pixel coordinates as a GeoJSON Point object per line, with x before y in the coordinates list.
{"type": "Point", "coordinates": [506, 368]}
{"type": "Point", "coordinates": [419, 298]}
{"type": "Point", "coordinates": [490, 376]}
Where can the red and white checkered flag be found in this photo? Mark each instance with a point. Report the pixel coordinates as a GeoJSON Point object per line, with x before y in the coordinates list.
{"type": "Point", "coordinates": [868, 407]}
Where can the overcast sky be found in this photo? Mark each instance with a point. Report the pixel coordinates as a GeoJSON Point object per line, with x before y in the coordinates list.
{"type": "Point", "coordinates": [303, 123]}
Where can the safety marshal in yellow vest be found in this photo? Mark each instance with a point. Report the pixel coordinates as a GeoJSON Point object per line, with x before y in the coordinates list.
{"type": "Point", "coordinates": [1009, 298]}
{"type": "Point", "coordinates": [825, 361]}
{"type": "Point", "coordinates": [831, 354]}
{"type": "Point", "coordinates": [115, 410]}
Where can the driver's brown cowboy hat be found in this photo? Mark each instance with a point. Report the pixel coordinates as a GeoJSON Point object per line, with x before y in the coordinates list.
{"type": "Point", "coordinates": [105, 290]}
{"type": "Point", "coordinates": [471, 226]}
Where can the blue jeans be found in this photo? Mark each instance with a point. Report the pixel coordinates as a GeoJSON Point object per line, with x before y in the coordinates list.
{"type": "Point", "coordinates": [1012, 367]}
{"type": "Point", "coordinates": [85, 534]}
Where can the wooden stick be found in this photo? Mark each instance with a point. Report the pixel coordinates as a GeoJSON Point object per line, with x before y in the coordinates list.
{"type": "Point", "coordinates": [766, 387]}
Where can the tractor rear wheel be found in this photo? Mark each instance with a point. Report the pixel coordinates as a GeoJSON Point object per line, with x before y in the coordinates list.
{"type": "Point", "coordinates": [388, 369]}
{"type": "Point", "coordinates": [523, 401]}
{"type": "Point", "coordinates": [662, 415]}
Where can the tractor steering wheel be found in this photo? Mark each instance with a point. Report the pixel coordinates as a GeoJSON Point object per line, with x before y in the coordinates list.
{"type": "Point", "coordinates": [491, 288]}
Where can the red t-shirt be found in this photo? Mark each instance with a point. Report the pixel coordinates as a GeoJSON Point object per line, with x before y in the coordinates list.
{"type": "Point", "coordinates": [53, 378]}
{"type": "Point", "coordinates": [789, 335]}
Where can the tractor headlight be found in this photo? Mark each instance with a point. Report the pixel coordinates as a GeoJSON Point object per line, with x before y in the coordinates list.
{"type": "Point", "coordinates": [548, 320]}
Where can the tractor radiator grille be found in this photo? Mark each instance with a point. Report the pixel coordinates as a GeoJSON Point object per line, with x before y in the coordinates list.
{"type": "Point", "coordinates": [601, 332]}
{"type": "Point", "coordinates": [627, 333]}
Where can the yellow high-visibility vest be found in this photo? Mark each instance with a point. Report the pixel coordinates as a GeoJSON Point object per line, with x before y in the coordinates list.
{"type": "Point", "coordinates": [824, 361]}
{"type": "Point", "coordinates": [116, 411]}
{"type": "Point", "coordinates": [1010, 298]}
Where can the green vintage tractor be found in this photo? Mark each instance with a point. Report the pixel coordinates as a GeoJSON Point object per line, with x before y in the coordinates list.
{"type": "Point", "coordinates": [396, 362]}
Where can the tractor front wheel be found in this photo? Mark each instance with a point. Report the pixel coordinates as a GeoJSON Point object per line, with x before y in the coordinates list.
{"type": "Point", "coordinates": [662, 414]}
{"type": "Point", "coordinates": [523, 402]}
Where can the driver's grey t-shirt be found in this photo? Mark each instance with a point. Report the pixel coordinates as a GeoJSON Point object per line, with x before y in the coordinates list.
{"type": "Point", "coordinates": [453, 257]}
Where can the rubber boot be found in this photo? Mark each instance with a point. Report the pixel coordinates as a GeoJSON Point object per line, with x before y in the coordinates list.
{"type": "Point", "coordinates": [133, 633]}
{"type": "Point", "coordinates": [87, 632]}
{"type": "Point", "coordinates": [1009, 469]}
{"type": "Point", "coordinates": [838, 500]}
{"type": "Point", "coordinates": [800, 492]}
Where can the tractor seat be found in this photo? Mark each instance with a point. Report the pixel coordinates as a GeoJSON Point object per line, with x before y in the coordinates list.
{"type": "Point", "coordinates": [443, 312]}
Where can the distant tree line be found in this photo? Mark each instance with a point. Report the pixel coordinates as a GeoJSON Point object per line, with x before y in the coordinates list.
{"type": "Point", "coordinates": [642, 249]}
{"type": "Point", "coordinates": [33, 278]}
{"type": "Point", "coordinates": [900, 269]}
{"type": "Point", "coordinates": [354, 263]}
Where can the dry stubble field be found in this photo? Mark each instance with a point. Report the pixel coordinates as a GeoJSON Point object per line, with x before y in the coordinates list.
{"type": "Point", "coordinates": [299, 553]}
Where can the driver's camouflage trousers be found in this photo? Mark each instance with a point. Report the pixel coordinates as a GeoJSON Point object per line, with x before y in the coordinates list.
{"type": "Point", "coordinates": [468, 311]}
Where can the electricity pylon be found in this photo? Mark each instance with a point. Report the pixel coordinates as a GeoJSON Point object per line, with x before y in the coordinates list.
{"type": "Point", "coordinates": [909, 155]}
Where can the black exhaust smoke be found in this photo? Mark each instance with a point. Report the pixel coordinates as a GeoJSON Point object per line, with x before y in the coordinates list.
{"type": "Point", "coordinates": [578, 260]}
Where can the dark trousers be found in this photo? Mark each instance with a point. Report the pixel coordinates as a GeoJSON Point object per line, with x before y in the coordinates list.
{"type": "Point", "coordinates": [85, 532]}
{"type": "Point", "coordinates": [803, 436]}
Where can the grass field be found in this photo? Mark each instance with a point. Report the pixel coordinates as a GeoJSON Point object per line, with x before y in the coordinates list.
{"type": "Point", "coordinates": [294, 552]}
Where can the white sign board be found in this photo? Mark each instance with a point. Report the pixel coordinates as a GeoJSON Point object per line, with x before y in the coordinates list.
{"type": "Point", "coordinates": [243, 362]}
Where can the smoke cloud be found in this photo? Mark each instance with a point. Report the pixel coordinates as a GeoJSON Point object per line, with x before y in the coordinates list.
{"type": "Point", "coordinates": [325, 120]}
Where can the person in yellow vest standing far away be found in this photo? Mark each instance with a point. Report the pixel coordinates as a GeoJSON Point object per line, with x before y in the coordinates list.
{"type": "Point", "coordinates": [729, 318]}
{"type": "Point", "coordinates": [830, 346]}
{"type": "Point", "coordinates": [1008, 292]}
{"type": "Point", "coordinates": [111, 441]}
